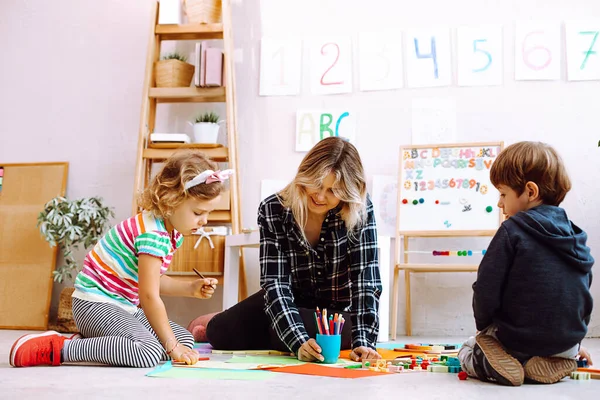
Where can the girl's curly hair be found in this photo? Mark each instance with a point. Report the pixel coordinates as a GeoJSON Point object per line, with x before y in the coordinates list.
{"type": "Point", "coordinates": [166, 191]}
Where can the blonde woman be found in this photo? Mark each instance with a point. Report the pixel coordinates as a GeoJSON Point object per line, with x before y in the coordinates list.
{"type": "Point", "coordinates": [318, 248]}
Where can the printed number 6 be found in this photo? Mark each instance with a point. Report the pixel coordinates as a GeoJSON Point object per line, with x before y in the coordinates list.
{"type": "Point", "coordinates": [486, 53]}
{"type": "Point", "coordinates": [527, 53]}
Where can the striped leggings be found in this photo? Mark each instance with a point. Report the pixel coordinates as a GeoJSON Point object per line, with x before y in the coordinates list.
{"type": "Point", "coordinates": [115, 337]}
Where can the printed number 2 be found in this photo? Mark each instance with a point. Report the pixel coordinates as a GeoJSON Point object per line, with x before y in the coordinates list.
{"type": "Point", "coordinates": [486, 53]}
{"type": "Point", "coordinates": [432, 55]}
{"type": "Point", "coordinates": [591, 50]}
{"type": "Point", "coordinates": [337, 57]}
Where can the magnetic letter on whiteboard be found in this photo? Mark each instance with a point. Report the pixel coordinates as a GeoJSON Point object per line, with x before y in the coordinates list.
{"type": "Point", "coordinates": [280, 66]}
{"type": "Point", "coordinates": [380, 60]}
{"type": "Point", "coordinates": [330, 65]}
{"type": "Point", "coordinates": [480, 56]}
{"type": "Point", "coordinates": [537, 51]}
{"type": "Point", "coordinates": [583, 50]}
{"type": "Point", "coordinates": [428, 61]}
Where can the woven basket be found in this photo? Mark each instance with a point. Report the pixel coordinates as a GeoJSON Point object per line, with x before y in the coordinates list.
{"type": "Point", "coordinates": [64, 321]}
{"type": "Point", "coordinates": [203, 11]}
{"type": "Point", "coordinates": [173, 73]}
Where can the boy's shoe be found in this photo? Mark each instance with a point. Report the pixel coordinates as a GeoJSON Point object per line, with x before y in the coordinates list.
{"type": "Point", "coordinates": [493, 364]}
{"type": "Point", "coordinates": [549, 369]}
{"type": "Point", "coordinates": [37, 349]}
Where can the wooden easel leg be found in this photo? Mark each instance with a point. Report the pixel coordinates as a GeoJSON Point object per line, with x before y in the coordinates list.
{"type": "Point", "coordinates": [395, 304]}
{"type": "Point", "coordinates": [408, 308]}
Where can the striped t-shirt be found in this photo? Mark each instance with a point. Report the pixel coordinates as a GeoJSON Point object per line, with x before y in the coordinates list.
{"type": "Point", "coordinates": [110, 269]}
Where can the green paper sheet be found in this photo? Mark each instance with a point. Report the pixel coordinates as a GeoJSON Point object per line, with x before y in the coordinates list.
{"type": "Point", "coordinates": [265, 360]}
{"type": "Point", "coordinates": [167, 371]}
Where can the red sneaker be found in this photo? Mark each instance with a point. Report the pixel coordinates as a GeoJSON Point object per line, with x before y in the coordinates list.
{"type": "Point", "coordinates": [37, 349]}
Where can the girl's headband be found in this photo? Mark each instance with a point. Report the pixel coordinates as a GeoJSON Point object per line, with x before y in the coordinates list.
{"type": "Point", "coordinates": [209, 176]}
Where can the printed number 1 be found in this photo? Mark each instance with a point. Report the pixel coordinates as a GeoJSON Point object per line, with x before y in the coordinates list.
{"type": "Point", "coordinates": [432, 55]}
{"type": "Point", "coordinates": [281, 53]}
{"type": "Point", "coordinates": [487, 54]}
{"type": "Point", "coordinates": [589, 51]}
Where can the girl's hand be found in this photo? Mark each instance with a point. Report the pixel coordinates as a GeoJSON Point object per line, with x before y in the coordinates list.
{"type": "Point", "coordinates": [183, 354]}
{"type": "Point", "coordinates": [585, 355]}
{"type": "Point", "coordinates": [204, 288]}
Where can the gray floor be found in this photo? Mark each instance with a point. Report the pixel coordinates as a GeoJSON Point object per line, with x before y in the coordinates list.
{"type": "Point", "coordinates": [70, 382]}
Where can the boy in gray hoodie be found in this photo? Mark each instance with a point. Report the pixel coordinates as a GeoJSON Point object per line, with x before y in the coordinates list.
{"type": "Point", "coordinates": [531, 301]}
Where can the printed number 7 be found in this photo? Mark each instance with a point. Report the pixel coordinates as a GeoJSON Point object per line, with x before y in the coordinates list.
{"type": "Point", "coordinates": [590, 50]}
{"type": "Point", "coordinates": [487, 54]}
{"type": "Point", "coordinates": [432, 55]}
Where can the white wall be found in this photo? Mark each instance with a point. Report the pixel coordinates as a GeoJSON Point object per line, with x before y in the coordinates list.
{"type": "Point", "coordinates": [71, 82]}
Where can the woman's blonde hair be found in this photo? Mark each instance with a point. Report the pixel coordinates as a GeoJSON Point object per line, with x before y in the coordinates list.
{"type": "Point", "coordinates": [167, 189]}
{"type": "Point", "coordinates": [330, 155]}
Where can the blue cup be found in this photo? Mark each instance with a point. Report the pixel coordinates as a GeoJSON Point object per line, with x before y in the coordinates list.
{"type": "Point", "coordinates": [330, 347]}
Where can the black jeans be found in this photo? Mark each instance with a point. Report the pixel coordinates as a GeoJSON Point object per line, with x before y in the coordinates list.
{"type": "Point", "coordinates": [246, 326]}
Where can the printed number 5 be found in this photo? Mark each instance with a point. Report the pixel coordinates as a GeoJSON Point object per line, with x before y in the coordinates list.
{"type": "Point", "coordinates": [486, 53]}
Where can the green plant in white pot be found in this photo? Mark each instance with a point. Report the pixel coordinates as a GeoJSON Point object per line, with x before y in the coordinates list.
{"type": "Point", "coordinates": [71, 223]}
{"type": "Point", "coordinates": [206, 128]}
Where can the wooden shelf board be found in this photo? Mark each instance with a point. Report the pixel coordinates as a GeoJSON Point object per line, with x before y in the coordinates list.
{"type": "Point", "coordinates": [188, 95]}
{"type": "Point", "coordinates": [219, 154]}
{"type": "Point", "coordinates": [189, 31]}
{"type": "Point", "coordinates": [174, 145]}
{"type": "Point", "coordinates": [219, 216]}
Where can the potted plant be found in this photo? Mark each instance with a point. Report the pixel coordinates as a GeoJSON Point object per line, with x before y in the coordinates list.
{"type": "Point", "coordinates": [70, 224]}
{"type": "Point", "coordinates": [173, 71]}
{"type": "Point", "coordinates": [206, 128]}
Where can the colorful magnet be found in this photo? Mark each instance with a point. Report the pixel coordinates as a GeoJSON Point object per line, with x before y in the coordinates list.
{"type": "Point", "coordinates": [415, 201]}
{"type": "Point", "coordinates": [421, 200]}
{"type": "Point", "coordinates": [404, 201]}
{"type": "Point", "coordinates": [489, 209]}
{"type": "Point", "coordinates": [437, 202]}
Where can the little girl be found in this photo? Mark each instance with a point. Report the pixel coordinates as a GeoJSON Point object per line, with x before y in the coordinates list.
{"type": "Point", "coordinates": [116, 302]}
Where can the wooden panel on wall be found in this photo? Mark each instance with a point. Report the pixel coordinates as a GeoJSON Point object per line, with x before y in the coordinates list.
{"type": "Point", "coordinates": [26, 259]}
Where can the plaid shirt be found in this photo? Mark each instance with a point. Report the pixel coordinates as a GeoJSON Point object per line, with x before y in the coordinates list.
{"type": "Point", "coordinates": [339, 273]}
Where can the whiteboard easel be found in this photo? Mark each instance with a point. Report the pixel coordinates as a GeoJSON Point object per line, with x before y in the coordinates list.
{"type": "Point", "coordinates": [440, 195]}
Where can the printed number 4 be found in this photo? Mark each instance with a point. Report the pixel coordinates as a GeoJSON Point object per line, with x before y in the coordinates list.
{"type": "Point", "coordinates": [591, 50]}
{"type": "Point", "coordinates": [432, 55]}
{"type": "Point", "coordinates": [486, 53]}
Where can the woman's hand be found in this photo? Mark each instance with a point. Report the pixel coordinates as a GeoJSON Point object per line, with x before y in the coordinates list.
{"type": "Point", "coordinates": [204, 288]}
{"type": "Point", "coordinates": [310, 351]}
{"type": "Point", "coordinates": [183, 354]}
{"type": "Point", "coordinates": [585, 355]}
{"type": "Point", "coordinates": [364, 353]}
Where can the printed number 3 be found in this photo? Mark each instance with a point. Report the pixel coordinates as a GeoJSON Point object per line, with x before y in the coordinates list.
{"type": "Point", "coordinates": [486, 53]}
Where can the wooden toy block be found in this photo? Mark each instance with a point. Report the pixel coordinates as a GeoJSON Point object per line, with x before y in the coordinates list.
{"type": "Point", "coordinates": [580, 376]}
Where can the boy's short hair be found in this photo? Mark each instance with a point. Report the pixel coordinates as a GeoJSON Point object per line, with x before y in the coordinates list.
{"type": "Point", "coordinates": [537, 162]}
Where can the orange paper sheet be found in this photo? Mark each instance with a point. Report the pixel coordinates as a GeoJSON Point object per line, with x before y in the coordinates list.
{"type": "Point", "coordinates": [321, 370]}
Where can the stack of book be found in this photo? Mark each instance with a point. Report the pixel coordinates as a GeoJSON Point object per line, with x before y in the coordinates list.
{"type": "Point", "coordinates": [209, 66]}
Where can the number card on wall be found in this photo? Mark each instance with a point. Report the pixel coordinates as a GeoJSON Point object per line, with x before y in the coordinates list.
{"type": "Point", "coordinates": [380, 60]}
{"type": "Point", "coordinates": [428, 60]}
{"type": "Point", "coordinates": [583, 50]}
{"type": "Point", "coordinates": [448, 188]}
{"type": "Point", "coordinates": [480, 56]}
{"type": "Point", "coordinates": [280, 66]}
{"type": "Point", "coordinates": [315, 125]}
{"type": "Point", "coordinates": [330, 65]}
{"type": "Point", "coordinates": [537, 51]}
